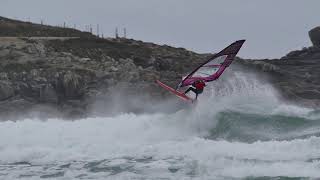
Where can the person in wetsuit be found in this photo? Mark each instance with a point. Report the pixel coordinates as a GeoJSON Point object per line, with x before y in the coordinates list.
{"type": "Point", "coordinates": [197, 87]}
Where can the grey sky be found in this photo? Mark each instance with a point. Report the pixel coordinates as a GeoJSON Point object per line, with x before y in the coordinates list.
{"type": "Point", "coordinates": [271, 27]}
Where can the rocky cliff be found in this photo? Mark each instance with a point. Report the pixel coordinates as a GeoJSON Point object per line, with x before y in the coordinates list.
{"type": "Point", "coordinates": [66, 70]}
{"type": "Point", "coordinates": [68, 73]}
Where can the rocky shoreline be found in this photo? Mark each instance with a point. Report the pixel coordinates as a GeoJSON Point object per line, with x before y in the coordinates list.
{"type": "Point", "coordinates": [67, 73]}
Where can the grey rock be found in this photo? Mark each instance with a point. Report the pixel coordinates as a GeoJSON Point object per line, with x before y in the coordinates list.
{"type": "Point", "coordinates": [48, 94]}
{"type": "Point", "coordinates": [6, 90]}
{"type": "Point", "coordinates": [72, 84]}
{"type": "Point", "coordinates": [314, 35]}
{"type": "Point", "coordinates": [4, 52]}
{"type": "Point", "coordinates": [4, 76]}
{"type": "Point", "coordinates": [84, 60]}
{"type": "Point", "coordinates": [112, 68]}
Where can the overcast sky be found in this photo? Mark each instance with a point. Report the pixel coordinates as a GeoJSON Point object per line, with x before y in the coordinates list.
{"type": "Point", "coordinates": [271, 27]}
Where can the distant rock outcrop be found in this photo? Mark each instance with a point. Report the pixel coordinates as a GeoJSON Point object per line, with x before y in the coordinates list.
{"type": "Point", "coordinates": [314, 35]}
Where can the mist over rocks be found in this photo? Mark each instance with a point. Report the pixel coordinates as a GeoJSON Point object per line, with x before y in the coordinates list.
{"type": "Point", "coordinates": [296, 75]}
{"type": "Point", "coordinates": [65, 73]}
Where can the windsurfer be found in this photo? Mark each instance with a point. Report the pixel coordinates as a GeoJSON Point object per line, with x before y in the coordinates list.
{"type": "Point", "coordinates": [197, 87]}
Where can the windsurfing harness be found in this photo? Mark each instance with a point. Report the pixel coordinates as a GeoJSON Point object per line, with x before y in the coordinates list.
{"type": "Point", "coordinates": [211, 69]}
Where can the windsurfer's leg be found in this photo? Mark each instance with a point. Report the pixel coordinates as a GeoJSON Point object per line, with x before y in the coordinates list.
{"type": "Point", "coordinates": [189, 89]}
{"type": "Point", "coordinates": [198, 92]}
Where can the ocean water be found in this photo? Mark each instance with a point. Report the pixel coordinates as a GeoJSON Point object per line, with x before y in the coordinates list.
{"type": "Point", "coordinates": [239, 129]}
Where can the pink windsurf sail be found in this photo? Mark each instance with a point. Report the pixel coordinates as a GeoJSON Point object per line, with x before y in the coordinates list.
{"type": "Point", "coordinates": [214, 66]}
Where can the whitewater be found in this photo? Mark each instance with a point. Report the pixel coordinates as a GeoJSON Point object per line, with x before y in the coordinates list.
{"type": "Point", "coordinates": [239, 129]}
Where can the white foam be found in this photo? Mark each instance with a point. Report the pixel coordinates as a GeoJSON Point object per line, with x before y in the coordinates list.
{"type": "Point", "coordinates": [168, 143]}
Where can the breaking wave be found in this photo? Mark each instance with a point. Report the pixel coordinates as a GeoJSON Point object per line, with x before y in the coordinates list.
{"type": "Point", "coordinates": [239, 128]}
